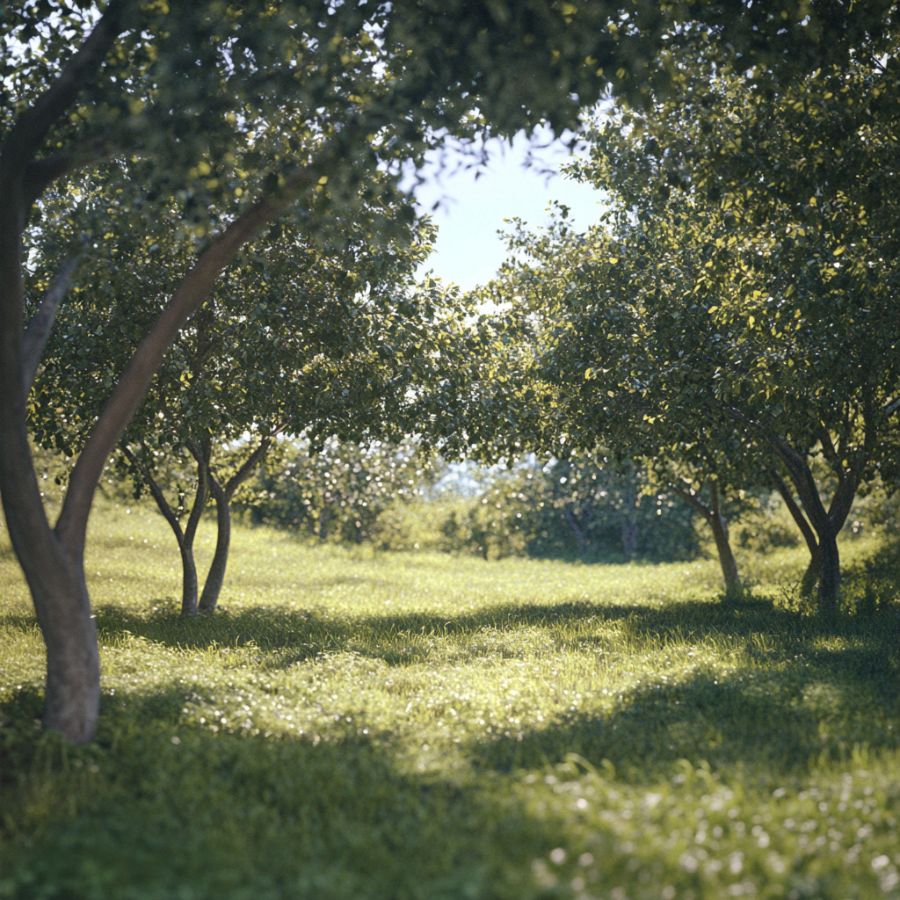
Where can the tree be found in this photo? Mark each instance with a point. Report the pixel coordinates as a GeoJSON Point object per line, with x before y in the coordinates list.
{"type": "Point", "coordinates": [235, 379]}
{"type": "Point", "coordinates": [309, 90]}
{"type": "Point", "coordinates": [340, 490]}
{"type": "Point", "coordinates": [616, 368]}
{"type": "Point", "coordinates": [755, 263]}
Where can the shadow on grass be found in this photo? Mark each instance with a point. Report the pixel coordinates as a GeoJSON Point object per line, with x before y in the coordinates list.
{"type": "Point", "coordinates": [156, 808]}
{"type": "Point", "coordinates": [766, 722]}
{"type": "Point", "coordinates": [301, 634]}
{"type": "Point", "coordinates": [283, 637]}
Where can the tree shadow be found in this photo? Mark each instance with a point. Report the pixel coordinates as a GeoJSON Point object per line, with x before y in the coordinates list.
{"type": "Point", "coordinates": [157, 807]}
{"type": "Point", "coordinates": [773, 720]}
{"type": "Point", "coordinates": [306, 634]}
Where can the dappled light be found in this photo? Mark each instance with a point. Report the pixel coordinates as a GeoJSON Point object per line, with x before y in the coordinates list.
{"type": "Point", "coordinates": [333, 568]}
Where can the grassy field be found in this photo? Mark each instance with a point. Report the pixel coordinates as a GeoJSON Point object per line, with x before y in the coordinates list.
{"type": "Point", "coordinates": [420, 726]}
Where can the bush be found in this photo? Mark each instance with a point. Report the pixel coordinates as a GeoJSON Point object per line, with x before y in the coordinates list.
{"type": "Point", "coordinates": [342, 492]}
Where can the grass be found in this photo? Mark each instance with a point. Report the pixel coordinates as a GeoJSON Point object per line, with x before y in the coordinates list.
{"type": "Point", "coordinates": [420, 726]}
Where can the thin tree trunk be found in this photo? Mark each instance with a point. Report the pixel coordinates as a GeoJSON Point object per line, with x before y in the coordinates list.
{"type": "Point", "coordinates": [188, 579]}
{"type": "Point", "coordinates": [223, 495]}
{"type": "Point", "coordinates": [727, 562]}
{"type": "Point", "coordinates": [215, 578]}
{"type": "Point", "coordinates": [811, 575]}
{"type": "Point", "coordinates": [719, 525]}
{"type": "Point", "coordinates": [827, 524]}
{"type": "Point", "coordinates": [830, 576]}
{"type": "Point", "coordinates": [183, 536]}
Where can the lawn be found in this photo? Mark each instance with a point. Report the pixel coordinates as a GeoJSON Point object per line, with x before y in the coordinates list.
{"type": "Point", "coordinates": [423, 726]}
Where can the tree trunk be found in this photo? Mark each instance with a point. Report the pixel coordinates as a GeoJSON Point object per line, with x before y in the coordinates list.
{"type": "Point", "coordinates": [183, 536]}
{"type": "Point", "coordinates": [719, 525]}
{"type": "Point", "coordinates": [72, 696]}
{"type": "Point", "coordinates": [727, 562]}
{"type": "Point", "coordinates": [53, 569]}
{"type": "Point", "coordinates": [216, 575]}
{"type": "Point", "coordinates": [189, 584]}
{"type": "Point", "coordinates": [223, 494]}
{"type": "Point", "coordinates": [830, 577]}
{"type": "Point", "coordinates": [53, 559]}
{"type": "Point", "coordinates": [811, 575]}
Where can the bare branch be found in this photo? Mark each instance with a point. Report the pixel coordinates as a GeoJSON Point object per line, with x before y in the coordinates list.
{"type": "Point", "coordinates": [249, 464]}
{"type": "Point", "coordinates": [143, 469]}
{"type": "Point", "coordinates": [691, 497]}
{"type": "Point", "coordinates": [202, 459]}
{"type": "Point", "coordinates": [806, 529]}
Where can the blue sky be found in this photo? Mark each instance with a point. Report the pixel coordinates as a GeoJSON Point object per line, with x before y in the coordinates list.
{"type": "Point", "coordinates": [472, 210]}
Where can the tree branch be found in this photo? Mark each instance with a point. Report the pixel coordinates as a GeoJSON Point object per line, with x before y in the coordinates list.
{"type": "Point", "coordinates": [796, 513]}
{"type": "Point", "coordinates": [38, 331]}
{"type": "Point", "coordinates": [41, 173]}
{"type": "Point", "coordinates": [249, 464]}
{"type": "Point", "coordinates": [134, 381]}
{"type": "Point", "coordinates": [155, 490]}
{"type": "Point", "coordinates": [692, 499]}
{"type": "Point", "coordinates": [33, 125]}
{"type": "Point", "coordinates": [202, 459]}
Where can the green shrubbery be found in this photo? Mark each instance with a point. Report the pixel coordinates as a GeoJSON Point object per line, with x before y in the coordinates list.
{"type": "Point", "coordinates": [572, 510]}
{"type": "Point", "coordinates": [396, 498]}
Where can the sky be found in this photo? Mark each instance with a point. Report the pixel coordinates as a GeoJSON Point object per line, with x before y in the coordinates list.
{"type": "Point", "coordinates": [471, 210]}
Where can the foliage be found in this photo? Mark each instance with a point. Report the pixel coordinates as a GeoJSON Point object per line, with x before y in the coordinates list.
{"type": "Point", "coordinates": [574, 509]}
{"type": "Point", "coordinates": [428, 726]}
{"type": "Point", "coordinates": [339, 491]}
{"type": "Point", "coordinates": [733, 319]}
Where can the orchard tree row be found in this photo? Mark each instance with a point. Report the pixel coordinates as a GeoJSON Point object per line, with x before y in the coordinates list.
{"type": "Point", "coordinates": [206, 196]}
{"type": "Point", "coordinates": [734, 321]}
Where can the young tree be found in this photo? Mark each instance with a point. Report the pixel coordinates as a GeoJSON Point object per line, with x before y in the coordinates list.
{"type": "Point", "coordinates": [299, 336]}
{"type": "Point", "coordinates": [617, 366]}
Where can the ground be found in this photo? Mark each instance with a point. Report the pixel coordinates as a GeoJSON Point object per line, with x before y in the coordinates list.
{"type": "Point", "coordinates": [424, 726]}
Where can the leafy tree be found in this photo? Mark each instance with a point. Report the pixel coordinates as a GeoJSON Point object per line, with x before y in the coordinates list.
{"type": "Point", "coordinates": [613, 368]}
{"type": "Point", "coordinates": [244, 109]}
{"type": "Point", "coordinates": [742, 306]}
{"type": "Point", "coordinates": [300, 336]}
{"type": "Point", "coordinates": [576, 508]}
{"type": "Point", "coordinates": [339, 491]}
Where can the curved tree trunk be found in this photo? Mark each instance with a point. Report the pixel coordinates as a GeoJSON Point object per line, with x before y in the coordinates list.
{"type": "Point", "coordinates": [223, 494]}
{"type": "Point", "coordinates": [215, 578]}
{"type": "Point", "coordinates": [719, 525]}
{"type": "Point", "coordinates": [813, 569]}
{"type": "Point", "coordinates": [53, 567]}
{"type": "Point", "coordinates": [727, 562]}
{"type": "Point", "coordinates": [827, 523]}
{"type": "Point", "coordinates": [53, 559]}
{"type": "Point", "coordinates": [183, 536]}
